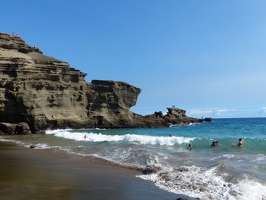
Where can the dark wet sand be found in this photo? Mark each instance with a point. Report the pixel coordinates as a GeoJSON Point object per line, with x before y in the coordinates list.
{"type": "Point", "coordinates": [48, 174]}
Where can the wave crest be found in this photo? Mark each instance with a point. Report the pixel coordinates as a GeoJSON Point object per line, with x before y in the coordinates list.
{"type": "Point", "coordinates": [131, 138]}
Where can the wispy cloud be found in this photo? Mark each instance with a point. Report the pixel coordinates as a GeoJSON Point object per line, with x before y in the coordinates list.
{"type": "Point", "coordinates": [212, 112]}
{"type": "Point", "coordinates": [227, 112]}
{"type": "Point", "coordinates": [262, 111]}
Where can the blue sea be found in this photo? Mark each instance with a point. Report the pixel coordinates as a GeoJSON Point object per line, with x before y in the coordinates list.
{"type": "Point", "coordinates": [222, 172]}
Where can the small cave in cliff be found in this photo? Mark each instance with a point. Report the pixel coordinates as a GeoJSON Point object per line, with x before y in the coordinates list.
{"type": "Point", "coordinates": [100, 121]}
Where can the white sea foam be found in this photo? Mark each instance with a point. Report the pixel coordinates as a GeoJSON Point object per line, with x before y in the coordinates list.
{"type": "Point", "coordinates": [6, 140]}
{"type": "Point", "coordinates": [178, 125]}
{"type": "Point", "coordinates": [133, 138]}
{"type": "Point", "coordinates": [251, 190]}
{"type": "Point", "coordinates": [13, 141]}
{"type": "Point", "coordinates": [44, 146]}
{"type": "Point", "coordinates": [259, 157]}
{"type": "Point", "coordinates": [103, 129]}
{"type": "Point", "coordinates": [25, 144]}
{"type": "Point", "coordinates": [157, 140]}
{"type": "Point", "coordinates": [226, 157]}
{"type": "Point", "coordinates": [56, 131]}
{"type": "Point", "coordinates": [196, 123]}
{"type": "Point", "coordinates": [205, 184]}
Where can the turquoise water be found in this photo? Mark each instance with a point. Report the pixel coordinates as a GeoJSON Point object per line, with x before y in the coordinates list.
{"type": "Point", "coordinates": [222, 172]}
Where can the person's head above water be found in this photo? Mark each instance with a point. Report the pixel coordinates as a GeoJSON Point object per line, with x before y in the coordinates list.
{"type": "Point", "coordinates": [240, 143]}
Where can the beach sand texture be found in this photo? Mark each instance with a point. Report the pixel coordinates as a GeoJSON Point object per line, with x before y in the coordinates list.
{"type": "Point", "coordinates": [48, 174]}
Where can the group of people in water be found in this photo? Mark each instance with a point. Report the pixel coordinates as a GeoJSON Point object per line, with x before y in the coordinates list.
{"type": "Point", "coordinates": [215, 143]}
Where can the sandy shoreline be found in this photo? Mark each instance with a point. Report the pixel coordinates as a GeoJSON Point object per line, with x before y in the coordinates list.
{"type": "Point", "coordinates": [48, 174]}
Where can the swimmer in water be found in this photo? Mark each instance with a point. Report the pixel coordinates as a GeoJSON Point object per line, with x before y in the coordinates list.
{"type": "Point", "coordinates": [240, 142]}
{"type": "Point", "coordinates": [214, 144]}
{"type": "Point", "coordinates": [85, 136]}
{"type": "Point", "coordinates": [189, 147]}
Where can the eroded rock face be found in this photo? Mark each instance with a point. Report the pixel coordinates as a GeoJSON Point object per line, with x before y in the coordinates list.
{"type": "Point", "coordinates": [177, 116]}
{"type": "Point", "coordinates": [45, 92]}
{"type": "Point", "coordinates": [39, 92]}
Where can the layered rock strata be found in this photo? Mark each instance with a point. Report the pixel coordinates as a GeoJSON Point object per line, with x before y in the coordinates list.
{"type": "Point", "coordinates": [44, 92]}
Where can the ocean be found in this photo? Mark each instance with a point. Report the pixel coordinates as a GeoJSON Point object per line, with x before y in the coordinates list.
{"type": "Point", "coordinates": [225, 171]}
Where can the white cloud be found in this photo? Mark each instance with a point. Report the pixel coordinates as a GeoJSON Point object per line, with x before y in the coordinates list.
{"type": "Point", "coordinates": [212, 112]}
{"type": "Point", "coordinates": [262, 111]}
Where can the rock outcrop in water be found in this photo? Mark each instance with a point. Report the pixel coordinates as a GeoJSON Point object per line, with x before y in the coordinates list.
{"type": "Point", "coordinates": [47, 93]}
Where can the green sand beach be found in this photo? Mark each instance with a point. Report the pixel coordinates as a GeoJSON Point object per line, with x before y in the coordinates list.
{"type": "Point", "coordinates": [48, 174]}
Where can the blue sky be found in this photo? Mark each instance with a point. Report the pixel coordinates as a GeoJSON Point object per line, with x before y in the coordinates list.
{"type": "Point", "coordinates": [206, 57]}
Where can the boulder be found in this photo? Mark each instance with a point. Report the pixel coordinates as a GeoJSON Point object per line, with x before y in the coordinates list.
{"type": "Point", "coordinates": [7, 128]}
{"type": "Point", "coordinates": [12, 129]}
{"type": "Point", "coordinates": [22, 128]}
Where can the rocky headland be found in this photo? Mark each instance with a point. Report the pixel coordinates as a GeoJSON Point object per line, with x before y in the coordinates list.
{"type": "Point", "coordinates": [39, 92]}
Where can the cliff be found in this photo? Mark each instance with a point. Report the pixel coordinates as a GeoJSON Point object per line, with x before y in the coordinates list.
{"type": "Point", "coordinates": [44, 92]}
